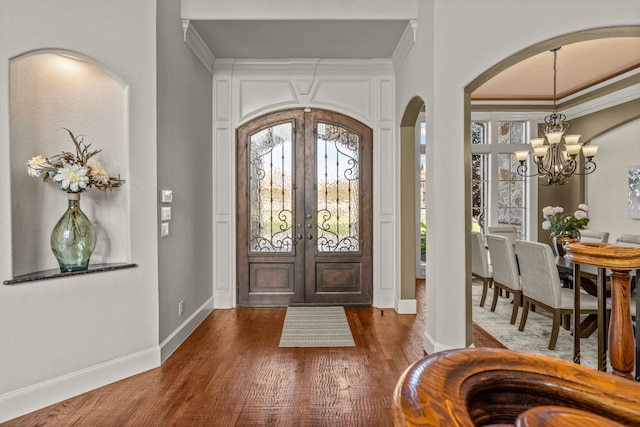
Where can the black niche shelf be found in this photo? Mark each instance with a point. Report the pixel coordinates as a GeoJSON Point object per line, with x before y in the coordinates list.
{"type": "Point", "coordinates": [55, 272]}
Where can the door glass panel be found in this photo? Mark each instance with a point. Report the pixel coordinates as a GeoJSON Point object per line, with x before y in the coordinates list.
{"type": "Point", "coordinates": [270, 189]}
{"type": "Point", "coordinates": [338, 189]}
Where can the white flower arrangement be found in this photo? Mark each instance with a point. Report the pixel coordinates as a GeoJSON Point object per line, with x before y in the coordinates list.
{"type": "Point", "coordinates": [559, 223]}
{"type": "Point", "coordinates": [73, 172]}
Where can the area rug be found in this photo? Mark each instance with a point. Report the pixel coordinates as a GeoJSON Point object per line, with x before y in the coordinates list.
{"type": "Point", "coordinates": [316, 327]}
{"type": "Point", "coordinates": [536, 334]}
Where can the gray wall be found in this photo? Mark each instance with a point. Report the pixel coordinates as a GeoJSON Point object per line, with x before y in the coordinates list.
{"type": "Point", "coordinates": [184, 166]}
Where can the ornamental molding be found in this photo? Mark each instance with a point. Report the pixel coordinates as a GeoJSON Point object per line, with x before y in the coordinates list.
{"type": "Point", "coordinates": [197, 45]}
{"type": "Point", "coordinates": [407, 40]}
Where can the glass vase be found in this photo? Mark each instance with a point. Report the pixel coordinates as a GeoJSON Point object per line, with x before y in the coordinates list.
{"type": "Point", "coordinates": [73, 238]}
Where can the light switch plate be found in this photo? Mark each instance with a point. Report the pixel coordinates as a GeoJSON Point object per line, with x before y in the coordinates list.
{"type": "Point", "coordinates": [167, 196]}
{"type": "Point", "coordinates": [165, 213]}
{"type": "Point", "coordinates": [164, 229]}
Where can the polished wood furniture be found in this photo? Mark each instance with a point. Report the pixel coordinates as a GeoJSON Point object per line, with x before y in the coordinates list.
{"type": "Point", "coordinates": [591, 323]}
{"type": "Point", "coordinates": [478, 387]}
{"type": "Point", "coordinates": [620, 260]}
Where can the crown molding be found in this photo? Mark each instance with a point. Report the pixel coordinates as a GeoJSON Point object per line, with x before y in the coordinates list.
{"type": "Point", "coordinates": [197, 45]}
{"type": "Point", "coordinates": [407, 40]}
{"type": "Point", "coordinates": [310, 68]}
{"type": "Point", "coordinates": [601, 103]}
{"type": "Point", "coordinates": [603, 97]}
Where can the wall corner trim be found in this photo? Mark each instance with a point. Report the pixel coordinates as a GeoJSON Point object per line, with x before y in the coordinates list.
{"type": "Point", "coordinates": [195, 42]}
{"type": "Point", "coordinates": [177, 337]}
{"type": "Point", "coordinates": [407, 306]}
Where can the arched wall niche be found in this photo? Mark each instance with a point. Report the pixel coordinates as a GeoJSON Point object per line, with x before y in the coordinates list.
{"type": "Point", "coordinates": [51, 90]}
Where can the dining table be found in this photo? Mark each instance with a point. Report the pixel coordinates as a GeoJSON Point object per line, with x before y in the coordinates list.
{"type": "Point", "coordinates": [616, 339]}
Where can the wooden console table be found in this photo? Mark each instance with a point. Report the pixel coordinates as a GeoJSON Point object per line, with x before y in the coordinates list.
{"type": "Point", "coordinates": [620, 260]}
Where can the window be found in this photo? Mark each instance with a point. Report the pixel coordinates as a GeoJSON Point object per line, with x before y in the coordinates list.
{"type": "Point", "coordinates": [499, 195]}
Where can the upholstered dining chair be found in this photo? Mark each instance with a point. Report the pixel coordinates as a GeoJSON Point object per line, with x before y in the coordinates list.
{"type": "Point", "coordinates": [541, 287]}
{"type": "Point", "coordinates": [505, 271]}
{"type": "Point", "coordinates": [507, 230]}
{"type": "Point", "coordinates": [594, 236]}
{"type": "Point", "coordinates": [628, 240]}
{"type": "Point", "coordinates": [480, 267]}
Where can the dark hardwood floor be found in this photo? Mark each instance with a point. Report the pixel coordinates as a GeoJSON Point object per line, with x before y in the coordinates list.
{"type": "Point", "coordinates": [231, 372]}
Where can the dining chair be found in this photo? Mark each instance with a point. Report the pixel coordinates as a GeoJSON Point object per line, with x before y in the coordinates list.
{"type": "Point", "coordinates": [505, 271]}
{"type": "Point", "coordinates": [541, 287]}
{"type": "Point", "coordinates": [507, 230]}
{"type": "Point", "coordinates": [628, 240]}
{"type": "Point", "coordinates": [594, 236]}
{"type": "Point", "coordinates": [480, 267]}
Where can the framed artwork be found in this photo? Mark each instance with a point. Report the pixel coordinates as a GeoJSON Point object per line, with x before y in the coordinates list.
{"type": "Point", "coordinates": [634, 191]}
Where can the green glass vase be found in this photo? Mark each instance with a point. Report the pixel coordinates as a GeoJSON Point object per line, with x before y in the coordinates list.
{"type": "Point", "coordinates": [73, 238]}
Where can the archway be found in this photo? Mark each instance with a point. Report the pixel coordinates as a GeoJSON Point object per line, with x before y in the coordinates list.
{"type": "Point", "coordinates": [610, 32]}
{"type": "Point", "coordinates": [409, 222]}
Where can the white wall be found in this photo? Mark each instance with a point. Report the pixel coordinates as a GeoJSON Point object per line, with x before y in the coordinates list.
{"type": "Point", "coordinates": [607, 187]}
{"type": "Point", "coordinates": [63, 336]}
{"type": "Point", "coordinates": [457, 40]}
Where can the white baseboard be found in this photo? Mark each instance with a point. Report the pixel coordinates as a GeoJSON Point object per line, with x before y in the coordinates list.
{"type": "Point", "coordinates": [407, 306]}
{"type": "Point", "coordinates": [222, 299]}
{"type": "Point", "coordinates": [432, 346]}
{"type": "Point", "coordinates": [173, 341]}
{"type": "Point", "coordinates": [31, 398]}
{"type": "Point", "coordinates": [384, 299]}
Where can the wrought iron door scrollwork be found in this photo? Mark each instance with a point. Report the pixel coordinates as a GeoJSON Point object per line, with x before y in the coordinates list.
{"type": "Point", "coordinates": [270, 199]}
{"type": "Point", "coordinates": [338, 189]}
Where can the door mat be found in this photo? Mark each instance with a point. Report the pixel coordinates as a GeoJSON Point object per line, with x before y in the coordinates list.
{"type": "Point", "coordinates": [316, 327]}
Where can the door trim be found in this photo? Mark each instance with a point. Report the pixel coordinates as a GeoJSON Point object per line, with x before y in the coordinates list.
{"type": "Point", "coordinates": [340, 268]}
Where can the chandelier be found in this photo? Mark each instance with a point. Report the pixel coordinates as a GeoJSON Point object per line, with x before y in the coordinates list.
{"type": "Point", "coordinates": [556, 154]}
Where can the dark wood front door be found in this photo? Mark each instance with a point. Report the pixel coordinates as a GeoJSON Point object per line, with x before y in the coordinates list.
{"type": "Point", "coordinates": [304, 209]}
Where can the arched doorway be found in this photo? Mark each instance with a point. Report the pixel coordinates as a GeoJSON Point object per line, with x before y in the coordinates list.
{"type": "Point", "coordinates": [410, 224]}
{"type": "Point", "coordinates": [304, 204]}
{"type": "Point", "coordinates": [568, 192]}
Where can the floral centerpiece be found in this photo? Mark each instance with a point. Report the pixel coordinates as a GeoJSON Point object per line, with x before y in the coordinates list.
{"type": "Point", "coordinates": [565, 227]}
{"type": "Point", "coordinates": [74, 172]}
{"type": "Point", "coordinates": [73, 238]}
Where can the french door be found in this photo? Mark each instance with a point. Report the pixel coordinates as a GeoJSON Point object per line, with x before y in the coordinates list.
{"type": "Point", "coordinates": [304, 209]}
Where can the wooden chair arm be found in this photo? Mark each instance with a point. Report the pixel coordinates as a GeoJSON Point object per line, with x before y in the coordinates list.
{"type": "Point", "coordinates": [470, 387]}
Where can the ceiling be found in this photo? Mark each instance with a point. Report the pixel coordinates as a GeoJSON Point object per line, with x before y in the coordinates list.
{"type": "Point", "coordinates": [579, 66]}
{"type": "Point", "coordinates": [301, 39]}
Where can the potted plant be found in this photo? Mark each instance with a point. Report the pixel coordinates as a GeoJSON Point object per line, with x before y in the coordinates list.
{"type": "Point", "coordinates": [73, 238]}
{"type": "Point", "coordinates": [565, 227]}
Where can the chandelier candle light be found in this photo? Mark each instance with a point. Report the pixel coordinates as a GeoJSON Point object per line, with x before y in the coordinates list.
{"type": "Point", "coordinates": [555, 154]}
